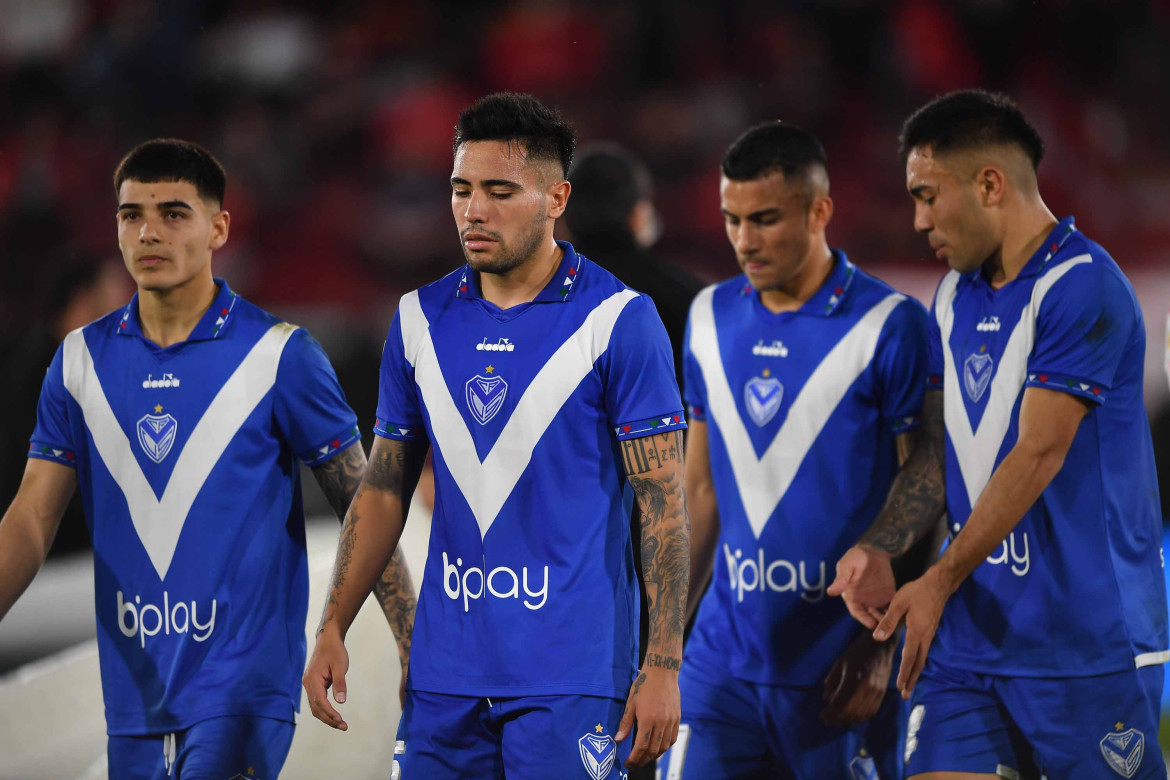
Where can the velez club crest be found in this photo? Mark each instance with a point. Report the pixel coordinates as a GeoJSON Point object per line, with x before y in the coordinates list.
{"type": "Point", "coordinates": [598, 752]}
{"type": "Point", "coordinates": [762, 396]}
{"type": "Point", "coordinates": [485, 395]}
{"type": "Point", "coordinates": [1123, 751]}
{"type": "Point", "coordinates": [156, 434]}
{"type": "Point", "coordinates": [977, 370]}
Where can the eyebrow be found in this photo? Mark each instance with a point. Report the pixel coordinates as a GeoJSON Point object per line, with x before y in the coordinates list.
{"type": "Point", "coordinates": [166, 204]}
{"type": "Point", "coordinates": [489, 183]}
{"type": "Point", "coordinates": [755, 214]}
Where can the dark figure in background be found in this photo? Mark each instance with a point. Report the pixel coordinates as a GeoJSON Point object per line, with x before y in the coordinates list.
{"type": "Point", "coordinates": [613, 222]}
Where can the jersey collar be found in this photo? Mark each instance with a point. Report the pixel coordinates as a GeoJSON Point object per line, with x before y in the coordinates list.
{"type": "Point", "coordinates": [1050, 248]}
{"type": "Point", "coordinates": [214, 322]}
{"type": "Point", "coordinates": [559, 289]}
{"type": "Point", "coordinates": [828, 298]}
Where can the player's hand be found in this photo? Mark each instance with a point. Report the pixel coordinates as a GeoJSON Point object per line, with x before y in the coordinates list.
{"type": "Point", "coordinates": [327, 668]}
{"type": "Point", "coordinates": [919, 604]}
{"type": "Point", "coordinates": [857, 683]}
{"type": "Point", "coordinates": [655, 705]}
{"type": "Point", "coordinates": [865, 580]}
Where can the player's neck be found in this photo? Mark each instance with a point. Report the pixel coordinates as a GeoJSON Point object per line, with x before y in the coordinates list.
{"type": "Point", "coordinates": [525, 281]}
{"type": "Point", "coordinates": [168, 316]}
{"type": "Point", "coordinates": [1023, 236]}
{"type": "Point", "coordinates": [803, 285]}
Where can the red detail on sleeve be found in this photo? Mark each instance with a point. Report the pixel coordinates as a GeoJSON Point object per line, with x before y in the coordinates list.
{"type": "Point", "coordinates": [1054, 248]}
{"type": "Point", "coordinates": [625, 429]}
{"type": "Point", "coordinates": [677, 417]}
{"type": "Point", "coordinates": [122, 325]}
{"type": "Point", "coordinates": [572, 272]}
{"type": "Point", "coordinates": [838, 291]}
{"type": "Point", "coordinates": [463, 288]}
{"type": "Point", "coordinates": [69, 456]}
{"type": "Point", "coordinates": [1043, 377]}
{"type": "Point", "coordinates": [1096, 391]}
{"type": "Point", "coordinates": [335, 443]}
{"type": "Point", "coordinates": [223, 312]}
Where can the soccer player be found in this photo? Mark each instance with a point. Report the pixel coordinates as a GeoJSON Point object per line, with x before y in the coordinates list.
{"type": "Point", "coordinates": [804, 380]}
{"type": "Point", "coordinates": [184, 417]}
{"type": "Point", "coordinates": [1048, 601]}
{"type": "Point", "coordinates": [537, 377]}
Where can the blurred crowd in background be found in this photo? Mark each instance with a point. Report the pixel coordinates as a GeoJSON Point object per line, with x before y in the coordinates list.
{"type": "Point", "coordinates": [334, 123]}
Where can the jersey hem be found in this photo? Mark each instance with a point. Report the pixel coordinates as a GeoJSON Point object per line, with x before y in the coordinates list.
{"type": "Point", "coordinates": [675, 421]}
{"type": "Point", "coordinates": [54, 453]}
{"type": "Point", "coordinates": [398, 431]}
{"type": "Point", "coordinates": [999, 670]}
{"type": "Point", "coordinates": [329, 449]}
{"type": "Point", "coordinates": [279, 709]}
{"type": "Point", "coordinates": [513, 691]}
{"type": "Point", "coordinates": [1067, 383]}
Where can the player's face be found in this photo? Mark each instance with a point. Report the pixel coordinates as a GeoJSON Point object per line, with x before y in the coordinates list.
{"type": "Point", "coordinates": [503, 204]}
{"type": "Point", "coordinates": [767, 224]}
{"type": "Point", "coordinates": [948, 209]}
{"type": "Point", "coordinates": [167, 232]}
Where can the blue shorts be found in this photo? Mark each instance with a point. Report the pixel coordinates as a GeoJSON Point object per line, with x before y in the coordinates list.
{"type": "Point", "coordinates": [224, 748]}
{"type": "Point", "coordinates": [732, 728]}
{"type": "Point", "coordinates": [1068, 728]}
{"type": "Point", "coordinates": [444, 737]}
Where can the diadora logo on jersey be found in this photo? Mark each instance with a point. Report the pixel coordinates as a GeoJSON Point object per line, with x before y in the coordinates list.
{"type": "Point", "coordinates": [598, 752]}
{"type": "Point", "coordinates": [762, 395]}
{"type": "Point", "coordinates": [988, 324]}
{"type": "Point", "coordinates": [779, 576]}
{"type": "Point", "coordinates": [977, 374]}
{"type": "Point", "coordinates": [502, 582]}
{"type": "Point", "coordinates": [485, 395]}
{"type": "Point", "coordinates": [1123, 750]}
{"type": "Point", "coordinates": [503, 345]}
{"type": "Point", "coordinates": [133, 619]}
{"type": "Point", "coordinates": [862, 767]}
{"type": "Point", "coordinates": [156, 434]}
{"type": "Point", "coordinates": [775, 349]}
{"type": "Point", "coordinates": [916, 716]}
{"type": "Point", "coordinates": [168, 380]}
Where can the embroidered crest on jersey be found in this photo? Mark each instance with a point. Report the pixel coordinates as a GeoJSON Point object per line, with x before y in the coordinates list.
{"type": "Point", "coordinates": [977, 372]}
{"type": "Point", "coordinates": [762, 396]}
{"type": "Point", "coordinates": [1123, 751]}
{"type": "Point", "coordinates": [156, 435]}
{"type": "Point", "coordinates": [598, 752]}
{"type": "Point", "coordinates": [485, 395]}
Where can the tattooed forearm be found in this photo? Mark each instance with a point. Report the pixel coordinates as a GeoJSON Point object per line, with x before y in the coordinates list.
{"type": "Point", "coordinates": [340, 476]}
{"type": "Point", "coordinates": [662, 662]}
{"type": "Point", "coordinates": [655, 470]}
{"type": "Point", "coordinates": [652, 452]}
{"type": "Point", "coordinates": [395, 593]}
{"type": "Point", "coordinates": [918, 496]}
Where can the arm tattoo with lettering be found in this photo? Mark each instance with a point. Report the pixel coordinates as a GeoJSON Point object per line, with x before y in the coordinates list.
{"type": "Point", "coordinates": [654, 467]}
{"type": "Point", "coordinates": [918, 496]}
{"type": "Point", "coordinates": [340, 476]}
{"type": "Point", "coordinates": [395, 593]}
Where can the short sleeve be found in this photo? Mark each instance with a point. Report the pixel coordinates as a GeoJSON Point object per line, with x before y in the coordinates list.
{"type": "Point", "coordinates": [1082, 329]}
{"type": "Point", "coordinates": [901, 366]}
{"type": "Point", "coordinates": [310, 407]}
{"type": "Point", "coordinates": [637, 370]}
{"type": "Point", "coordinates": [399, 416]}
{"type": "Point", "coordinates": [52, 439]}
{"type": "Point", "coordinates": [694, 388]}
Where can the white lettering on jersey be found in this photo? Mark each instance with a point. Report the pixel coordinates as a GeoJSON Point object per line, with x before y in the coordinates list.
{"type": "Point", "coordinates": [456, 584]}
{"type": "Point", "coordinates": [1013, 552]}
{"type": "Point", "coordinates": [168, 380]}
{"type": "Point", "coordinates": [486, 485]}
{"type": "Point", "coordinates": [132, 619]}
{"type": "Point", "coordinates": [159, 522]}
{"type": "Point", "coordinates": [976, 449]}
{"type": "Point", "coordinates": [779, 576]}
{"type": "Point", "coordinates": [763, 482]}
{"type": "Point", "coordinates": [503, 345]}
{"type": "Point", "coordinates": [988, 324]}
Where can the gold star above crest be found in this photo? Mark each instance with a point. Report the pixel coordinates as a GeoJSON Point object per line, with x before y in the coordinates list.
{"type": "Point", "coordinates": [767, 372]}
{"type": "Point", "coordinates": [157, 408]}
{"type": "Point", "coordinates": [1119, 725]}
{"type": "Point", "coordinates": [251, 770]}
{"type": "Point", "coordinates": [489, 369]}
{"type": "Point", "coordinates": [598, 729]}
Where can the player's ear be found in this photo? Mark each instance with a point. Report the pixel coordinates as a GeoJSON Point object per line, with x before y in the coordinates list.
{"type": "Point", "coordinates": [990, 182]}
{"type": "Point", "coordinates": [820, 211]}
{"type": "Point", "coordinates": [220, 223]}
{"type": "Point", "coordinates": [558, 197]}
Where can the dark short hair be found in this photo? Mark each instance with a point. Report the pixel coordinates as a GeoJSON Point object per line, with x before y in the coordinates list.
{"type": "Point", "coordinates": [970, 119]}
{"type": "Point", "coordinates": [608, 181]}
{"type": "Point", "coordinates": [772, 147]}
{"type": "Point", "coordinates": [172, 159]}
{"type": "Point", "coordinates": [515, 117]}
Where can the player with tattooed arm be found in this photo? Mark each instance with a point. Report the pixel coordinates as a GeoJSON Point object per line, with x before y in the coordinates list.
{"type": "Point", "coordinates": [546, 389]}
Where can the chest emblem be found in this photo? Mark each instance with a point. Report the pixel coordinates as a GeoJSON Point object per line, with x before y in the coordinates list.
{"type": "Point", "coordinates": [762, 395]}
{"type": "Point", "coordinates": [156, 434]}
{"type": "Point", "coordinates": [485, 395]}
{"type": "Point", "coordinates": [977, 371]}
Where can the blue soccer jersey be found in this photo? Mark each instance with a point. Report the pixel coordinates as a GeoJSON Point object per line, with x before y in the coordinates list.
{"type": "Point", "coordinates": [1076, 589]}
{"type": "Point", "coordinates": [802, 411]}
{"type": "Point", "coordinates": [529, 586]}
{"type": "Point", "coordinates": [187, 459]}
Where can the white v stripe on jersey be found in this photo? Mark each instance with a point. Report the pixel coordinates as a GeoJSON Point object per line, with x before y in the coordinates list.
{"type": "Point", "coordinates": [487, 485]}
{"type": "Point", "coordinates": [763, 482]}
{"type": "Point", "coordinates": [976, 450]}
{"type": "Point", "coordinates": [159, 522]}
